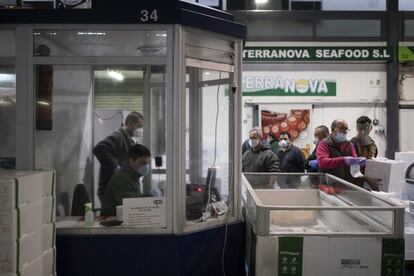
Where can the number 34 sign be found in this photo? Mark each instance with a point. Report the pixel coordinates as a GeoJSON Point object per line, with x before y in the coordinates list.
{"type": "Point", "coordinates": [148, 16]}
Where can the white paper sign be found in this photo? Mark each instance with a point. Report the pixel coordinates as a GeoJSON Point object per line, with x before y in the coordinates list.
{"type": "Point", "coordinates": [144, 212]}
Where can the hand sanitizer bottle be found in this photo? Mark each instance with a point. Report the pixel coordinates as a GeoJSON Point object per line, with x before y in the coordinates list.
{"type": "Point", "coordinates": [88, 215]}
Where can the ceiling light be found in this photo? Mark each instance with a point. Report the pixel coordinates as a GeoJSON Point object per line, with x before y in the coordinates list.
{"type": "Point", "coordinates": [115, 75]}
{"type": "Point", "coordinates": [43, 103]}
{"type": "Point", "coordinates": [7, 77]}
{"type": "Point", "coordinates": [260, 1]}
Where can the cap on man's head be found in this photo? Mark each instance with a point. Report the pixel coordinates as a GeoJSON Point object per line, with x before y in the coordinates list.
{"type": "Point", "coordinates": [133, 117]}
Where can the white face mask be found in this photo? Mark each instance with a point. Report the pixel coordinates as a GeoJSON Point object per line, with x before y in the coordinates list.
{"type": "Point", "coordinates": [284, 144]}
{"type": "Point", "coordinates": [340, 137]}
{"type": "Point", "coordinates": [315, 140]}
{"type": "Point", "coordinates": [139, 132]}
{"type": "Point", "coordinates": [144, 170]}
{"type": "Point", "coordinates": [254, 142]}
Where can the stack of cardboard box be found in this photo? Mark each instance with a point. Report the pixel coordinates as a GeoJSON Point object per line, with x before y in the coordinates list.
{"type": "Point", "coordinates": [27, 223]}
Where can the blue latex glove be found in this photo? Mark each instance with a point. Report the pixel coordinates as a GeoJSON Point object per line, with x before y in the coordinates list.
{"type": "Point", "coordinates": [362, 161]}
{"type": "Point", "coordinates": [349, 160]}
{"type": "Point", "coordinates": [313, 164]}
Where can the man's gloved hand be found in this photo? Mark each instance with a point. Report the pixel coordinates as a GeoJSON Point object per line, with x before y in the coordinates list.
{"type": "Point", "coordinates": [362, 161]}
{"type": "Point", "coordinates": [349, 160]}
{"type": "Point", "coordinates": [313, 164]}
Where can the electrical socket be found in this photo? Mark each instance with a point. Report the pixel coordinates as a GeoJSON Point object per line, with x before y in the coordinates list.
{"type": "Point", "coordinates": [379, 130]}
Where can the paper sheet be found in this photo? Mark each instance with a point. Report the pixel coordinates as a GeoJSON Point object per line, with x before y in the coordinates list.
{"type": "Point", "coordinates": [356, 171]}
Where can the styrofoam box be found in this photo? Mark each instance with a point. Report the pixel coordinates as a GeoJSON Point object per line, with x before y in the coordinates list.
{"type": "Point", "coordinates": [29, 218]}
{"type": "Point", "coordinates": [391, 173]}
{"type": "Point", "coordinates": [15, 255]}
{"type": "Point", "coordinates": [406, 156]}
{"type": "Point", "coordinates": [43, 265]}
{"type": "Point", "coordinates": [21, 187]}
{"type": "Point", "coordinates": [323, 255]}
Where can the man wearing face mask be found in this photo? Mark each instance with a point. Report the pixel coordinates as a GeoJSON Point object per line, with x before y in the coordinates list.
{"type": "Point", "coordinates": [291, 158]}
{"type": "Point", "coordinates": [335, 154]}
{"type": "Point", "coordinates": [320, 133]}
{"type": "Point", "coordinates": [363, 143]}
{"type": "Point", "coordinates": [259, 158]}
{"type": "Point", "coordinates": [112, 152]}
{"type": "Point", "coordinates": [125, 182]}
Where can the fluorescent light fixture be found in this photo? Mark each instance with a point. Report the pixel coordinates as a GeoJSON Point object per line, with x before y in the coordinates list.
{"type": "Point", "coordinates": [7, 77]}
{"type": "Point", "coordinates": [260, 1]}
{"type": "Point", "coordinates": [91, 33]}
{"type": "Point", "coordinates": [43, 103]}
{"type": "Point", "coordinates": [115, 75]}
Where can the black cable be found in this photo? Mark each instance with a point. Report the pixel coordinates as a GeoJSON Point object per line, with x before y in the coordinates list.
{"type": "Point", "coordinates": [216, 123]}
{"type": "Point", "coordinates": [109, 118]}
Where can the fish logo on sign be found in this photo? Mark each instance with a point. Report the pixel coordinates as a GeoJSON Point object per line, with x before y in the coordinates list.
{"type": "Point", "coordinates": [157, 201]}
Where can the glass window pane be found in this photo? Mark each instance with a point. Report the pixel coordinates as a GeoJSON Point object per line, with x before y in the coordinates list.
{"type": "Point", "coordinates": [119, 87]}
{"type": "Point", "coordinates": [351, 28]}
{"type": "Point", "coordinates": [63, 135]}
{"type": "Point", "coordinates": [7, 43]}
{"type": "Point", "coordinates": [409, 28]}
{"type": "Point", "coordinates": [209, 48]}
{"type": "Point", "coordinates": [8, 117]}
{"type": "Point", "coordinates": [208, 142]}
{"type": "Point", "coordinates": [273, 29]}
{"type": "Point", "coordinates": [354, 5]}
{"type": "Point", "coordinates": [82, 42]}
{"type": "Point", "coordinates": [406, 5]}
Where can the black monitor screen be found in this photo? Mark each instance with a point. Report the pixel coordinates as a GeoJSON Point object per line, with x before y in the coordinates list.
{"type": "Point", "coordinates": [210, 188]}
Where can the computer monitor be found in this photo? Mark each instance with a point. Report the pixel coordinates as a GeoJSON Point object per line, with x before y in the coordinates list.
{"type": "Point", "coordinates": [210, 187]}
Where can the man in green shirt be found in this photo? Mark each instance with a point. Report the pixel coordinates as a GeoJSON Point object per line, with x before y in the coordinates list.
{"type": "Point", "coordinates": [125, 182]}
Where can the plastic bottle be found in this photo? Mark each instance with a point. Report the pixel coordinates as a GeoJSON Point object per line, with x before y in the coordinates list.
{"type": "Point", "coordinates": [88, 215]}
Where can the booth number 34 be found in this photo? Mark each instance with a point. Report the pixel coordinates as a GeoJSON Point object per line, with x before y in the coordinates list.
{"type": "Point", "coordinates": [148, 16]}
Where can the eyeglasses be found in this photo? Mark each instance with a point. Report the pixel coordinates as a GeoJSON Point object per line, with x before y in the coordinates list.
{"type": "Point", "coordinates": [344, 128]}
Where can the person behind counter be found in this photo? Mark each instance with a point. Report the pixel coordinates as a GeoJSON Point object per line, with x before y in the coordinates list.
{"type": "Point", "coordinates": [125, 182]}
{"type": "Point", "coordinates": [113, 150]}
{"type": "Point", "coordinates": [320, 133]}
{"type": "Point", "coordinates": [335, 155]}
{"type": "Point", "coordinates": [363, 143]}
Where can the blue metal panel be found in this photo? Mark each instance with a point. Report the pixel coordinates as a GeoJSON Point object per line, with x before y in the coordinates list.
{"type": "Point", "coordinates": [195, 254]}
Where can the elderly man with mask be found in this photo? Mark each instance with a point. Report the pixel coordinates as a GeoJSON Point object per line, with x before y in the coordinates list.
{"type": "Point", "coordinates": [259, 158]}
{"type": "Point", "coordinates": [363, 143]}
{"type": "Point", "coordinates": [335, 155]}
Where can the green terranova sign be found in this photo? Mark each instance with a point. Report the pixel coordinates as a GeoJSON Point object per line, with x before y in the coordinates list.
{"type": "Point", "coordinates": [283, 86]}
{"type": "Point", "coordinates": [315, 54]}
{"type": "Point", "coordinates": [406, 53]}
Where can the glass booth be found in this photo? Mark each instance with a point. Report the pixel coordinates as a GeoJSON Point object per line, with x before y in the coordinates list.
{"type": "Point", "coordinates": [76, 84]}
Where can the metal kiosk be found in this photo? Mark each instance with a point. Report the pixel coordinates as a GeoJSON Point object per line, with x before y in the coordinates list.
{"type": "Point", "coordinates": [74, 75]}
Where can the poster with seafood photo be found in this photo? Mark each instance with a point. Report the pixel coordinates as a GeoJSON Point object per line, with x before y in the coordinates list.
{"type": "Point", "coordinates": [294, 119]}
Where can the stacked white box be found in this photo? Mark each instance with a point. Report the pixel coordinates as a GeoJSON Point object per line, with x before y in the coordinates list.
{"type": "Point", "coordinates": [27, 223]}
{"type": "Point", "coordinates": [391, 173]}
{"type": "Point", "coordinates": [406, 156]}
